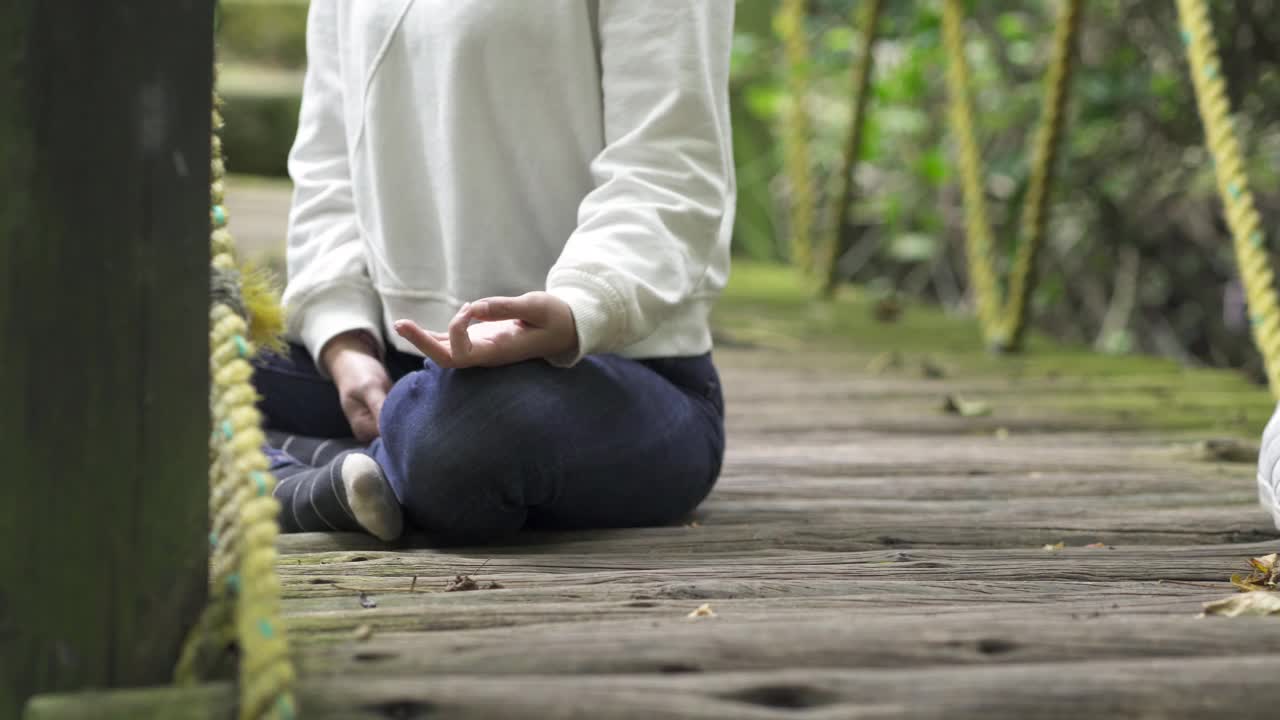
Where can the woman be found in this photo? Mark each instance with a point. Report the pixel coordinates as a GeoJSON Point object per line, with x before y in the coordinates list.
{"type": "Point", "coordinates": [535, 197]}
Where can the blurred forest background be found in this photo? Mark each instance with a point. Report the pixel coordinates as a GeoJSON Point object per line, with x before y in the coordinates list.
{"type": "Point", "coordinates": [1137, 257]}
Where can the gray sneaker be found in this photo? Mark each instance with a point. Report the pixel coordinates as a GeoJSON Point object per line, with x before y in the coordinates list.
{"type": "Point", "coordinates": [1269, 468]}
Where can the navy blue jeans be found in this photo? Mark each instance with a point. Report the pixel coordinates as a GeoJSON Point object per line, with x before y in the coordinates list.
{"type": "Point", "coordinates": [480, 453]}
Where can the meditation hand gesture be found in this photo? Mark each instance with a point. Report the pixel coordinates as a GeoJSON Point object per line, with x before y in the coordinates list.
{"type": "Point", "coordinates": [506, 330]}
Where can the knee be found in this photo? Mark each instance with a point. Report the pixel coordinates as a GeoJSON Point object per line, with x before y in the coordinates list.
{"type": "Point", "coordinates": [469, 421]}
{"type": "Point", "coordinates": [455, 444]}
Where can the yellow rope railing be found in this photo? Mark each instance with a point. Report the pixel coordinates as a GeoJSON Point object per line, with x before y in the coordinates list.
{"type": "Point", "coordinates": [796, 130]}
{"type": "Point", "coordinates": [1233, 183]}
{"type": "Point", "coordinates": [244, 603]}
{"type": "Point", "coordinates": [868, 24]}
{"type": "Point", "coordinates": [1003, 320]}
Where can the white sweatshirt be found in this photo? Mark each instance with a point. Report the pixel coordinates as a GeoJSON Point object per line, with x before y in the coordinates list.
{"type": "Point", "coordinates": [449, 151]}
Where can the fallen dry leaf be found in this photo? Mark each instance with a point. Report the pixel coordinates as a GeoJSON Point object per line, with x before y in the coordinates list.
{"type": "Point", "coordinates": [1256, 602]}
{"type": "Point", "coordinates": [956, 405]}
{"type": "Point", "coordinates": [1264, 574]}
{"type": "Point", "coordinates": [1227, 450]}
{"type": "Point", "coordinates": [1054, 547]}
{"type": "Point", "coordinates": [461, 583]}
{"type": "Point", "coordinates": [704, 610]}
{"type": "Point", "coordinates": [1266, 563]}
{"type": "Point", "coordinates": [362, 632]}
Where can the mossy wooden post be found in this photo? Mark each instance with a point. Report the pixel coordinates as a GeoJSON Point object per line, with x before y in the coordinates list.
{"type": "Point", "coordinates": [104, 171]}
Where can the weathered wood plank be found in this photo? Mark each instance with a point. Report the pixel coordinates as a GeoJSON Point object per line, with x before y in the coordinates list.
{"type": "Point", "coordinates": [1191, 688]}
{"type": "Point", "coordinates": [781, 384]}
{"type": "Point", "coordinates": [867, 531]}
{"type": "Point", "coordinates": [208, 702]}
{"type": "Point", "coordinates": [341, 592]}
{"type": "Point", "coordinates": [398, 610]}
{"type": "Point", "coordinates": [565, 588]}
{"type": "Point", "coordinates": [958, 455]}
{"type": "Point", "coordinates": [1177, 689]}
{"type": "Point", "coordinates": [321, 554]}
{"type": "Point", "coordinates": [1000, 526]}
{"type": "Point", "coordinates": [1100, 488]}
{"type": "Point", "coordinates": [813, 639]}
{"type": "Point", "coordinates": [411, 614]}
{"type": "Point", "coordinates": [776, 503]}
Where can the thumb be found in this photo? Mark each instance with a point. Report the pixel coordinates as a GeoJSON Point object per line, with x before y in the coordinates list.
{"type": "Point", "coordinates": [363, 426]}
{"type": "Point", "coordinates": [374, 399]}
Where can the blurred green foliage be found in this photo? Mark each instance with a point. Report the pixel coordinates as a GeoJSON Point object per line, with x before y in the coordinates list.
{"type": "Point", "coordinates": [1137, 257]}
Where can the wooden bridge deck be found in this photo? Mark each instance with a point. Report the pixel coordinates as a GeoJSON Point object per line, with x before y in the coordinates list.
{"type": "Point", "coordinates": [865, 555]}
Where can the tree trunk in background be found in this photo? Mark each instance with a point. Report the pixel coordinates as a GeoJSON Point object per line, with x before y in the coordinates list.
{"type": "Point", "coordinates": [104, 174]}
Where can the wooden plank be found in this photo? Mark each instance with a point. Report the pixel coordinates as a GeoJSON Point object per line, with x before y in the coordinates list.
{"type": "Point", "coordinates": [1176, 689]}
{"type": "Point", "coordinates": [1237, 521]}
{"type": "Point", "coordinates": [791, 424]}
{"type": "Point", "coordinates": [408, 614]}
{"type": "Point", "coordinates": [1180, 688]}
{"type": "Point", "coordinates": [813, 639]}
{"type": "Point", "coordinates": [780, 504]}
{"type": "Point", "coordinates": [1100, 487]}
{"type": "Point", "coordinates": [324, 553]}
{"type": "Point", "coordinates": [340, 611]}
{"type": "Point", "coordinates": [104, 224]}
{"type": "Point", "coordinates": [857, 385]}
{"type": "Point", "coordinates": [341, 592]}
{"type": "Point", "coordinates": [215, 701]}
{"type": "Point", "coordinates": [867, 531]}
{"type": "Point", "coordinates": [1189, 564]}
{"type": "Point", "coordinates": [842, 572]}
{"type": "Point", "coordinates": [959, 455]}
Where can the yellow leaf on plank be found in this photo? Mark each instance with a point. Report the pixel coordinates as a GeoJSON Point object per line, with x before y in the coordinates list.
{"type": "Point", "coordinates": [1257, 602]}
{"type": "Point", "coordinates": [956, 405]}
{"type": "Point", "coordinates": [1264, 576]}
{"type": "Point", "coordinates": [703, 611]}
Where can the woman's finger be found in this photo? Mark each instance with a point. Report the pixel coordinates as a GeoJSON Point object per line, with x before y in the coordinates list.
{"type": "Point", "coordinates": [427, 343]}
{"type": "Point", "coordinates": [527, 308]}
{"type": "Point", "coordinates": [459, 341]}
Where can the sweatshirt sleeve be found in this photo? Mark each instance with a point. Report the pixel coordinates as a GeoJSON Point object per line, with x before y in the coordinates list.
{"type": "Point", "coordinates": [329, 290]}
{"type": "Point", "coordinates": [664, 183]}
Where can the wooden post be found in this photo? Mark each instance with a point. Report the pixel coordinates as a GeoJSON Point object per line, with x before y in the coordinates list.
{"type": "Point", "coordinates": [104, 221]}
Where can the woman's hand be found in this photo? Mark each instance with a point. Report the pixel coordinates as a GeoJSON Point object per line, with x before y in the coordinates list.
{"type": "Point", "coordinates": [352, 361]}
{"type": "Point", "coordinates": [506, 331]}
